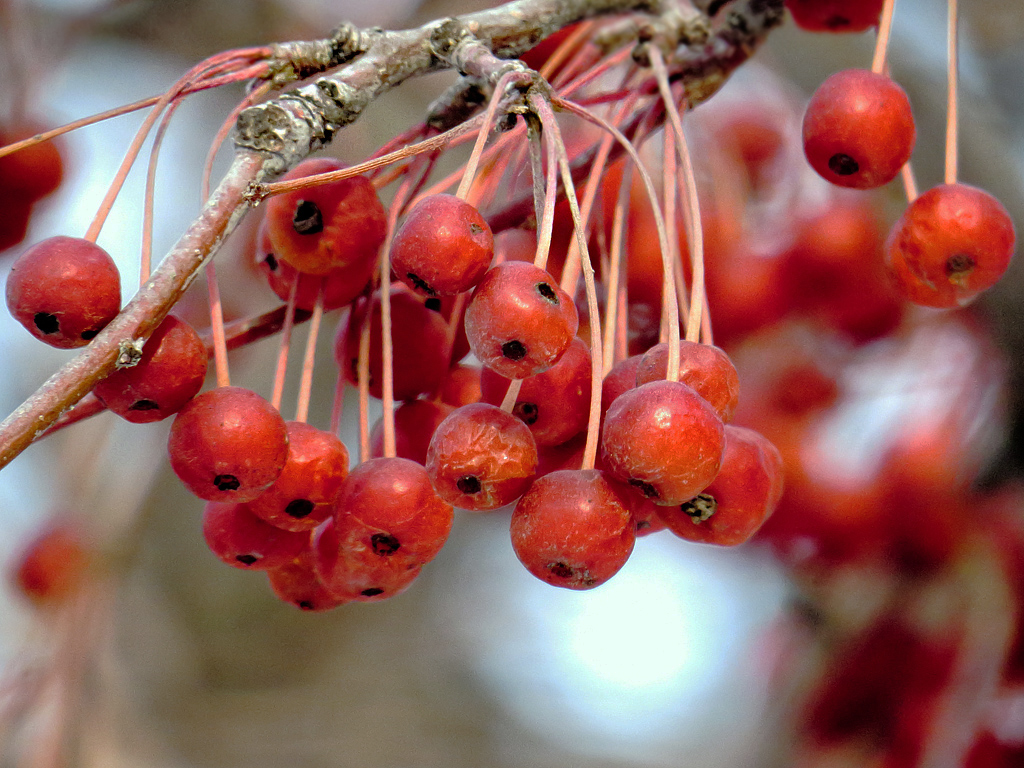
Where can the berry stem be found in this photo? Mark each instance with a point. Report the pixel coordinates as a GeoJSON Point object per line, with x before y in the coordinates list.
{"type": "Point", "coordinates": [215, 65]}
{"type": "Point", "coordinates": [220, 347]}
{"type": "Point", "coordinates": [548, 120]}
{"type": "Point", "coordinates": [952, 112]}
{"type": "Point", "coordinates": [616, 304]}
{"type": "Point", "coordinates": [309, 360]}
{"type": "Point", "coordinates": [543, 197]}
{"type": "Point", "coordinates": [691, 205]}
{"type": "Point", "coordinates": [909, 182]}
{"type": "Point", "coordinates": [882, 40]}
{"type": "Point", "coordinates": [282, 351]}
{"type": "Point", "coordinates": [363, 379]}
{"type": "Point", "coordinates": [485, 130]}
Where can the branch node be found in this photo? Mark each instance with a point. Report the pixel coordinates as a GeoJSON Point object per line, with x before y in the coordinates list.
{"type": "Point", "coordinates": [129, 353]}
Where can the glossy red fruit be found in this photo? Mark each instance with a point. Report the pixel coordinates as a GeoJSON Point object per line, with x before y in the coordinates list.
{"type": "Point", "coordinates": [304, 493]}
{"type": "Point", "coordinates": [341, 285]}
{"type": "Point", "coordinates": [170, 373]}
{"type": "Point", "coordinates": [419, 337]}
{"type": "Point", "coordinates": [574, 528]}
{"type": "Point", "coordinates": [481, 457]}
{"type": "Point", "coordinates": [443, 247]}
{"type": "Point", "coordinates": [858, 129]}
{"type": "Point", "coordinates": [415, 423]}
{"type": "Point", "coordinates": [461, 385]}
{"type": "Point", "coordinates": [835, 15]}
{"type": "Point", "coordinates": [952, 243]}
{"type": "Point", "coordinates": [64, 290]}
{"type": "Point", "coordinates": [240, 539]}
{"type": "Point", "coordinates": [704, 367]}
{"type": "Point", "coordinates": [228, 444]}
{"type": "Point", "coordinates": [53, 566]}
{"type": "Point", "coordinates": [14, 222]}
{"type": "Point", "coordinates": [664, 440]}
{"type": "Point", "coordinates": [554, 404]}
{"type": "Point", "coordinates": [398, 513]}
{"type": "Point", "coordinates": [621, 378]}
{"type": "Point", "coordinates": [745, 492]}
{"type": "Point", "coordinates": [329, 226]}
{"type": "Point", "coordinates": [297, 583]}
{"type": "Point", "coordinates": [519, 322]}
{"type": "Point", "coordinates": [354, 569]}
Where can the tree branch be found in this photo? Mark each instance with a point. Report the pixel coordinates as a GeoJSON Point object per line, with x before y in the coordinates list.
{"type": "Point", "coordinates": [275, 136]}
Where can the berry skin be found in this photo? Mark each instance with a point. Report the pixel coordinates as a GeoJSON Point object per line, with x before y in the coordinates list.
{"type": "Point", "coordinates": [342, 286]}
{"type": "Point", "coordinates": [745, 492]}
{"type": "Point", "coordinates": [952, 243]}
{"type": "Point", "coordinates": [554, 404]}
{"type": "Point", "coordinates": [170, 373]}
{"type": "Point", "coordinates": [419, 337]}
{"type": "Point", "coordinates": [296, 583]}
{"type": "Point", "coordinates": [858, 129]}
{"type": "Point", "coordinates": [240, 539]}
{"type": "Point", "coordinates": [574, 528]}
{"type": "Point", "coordinates": [481, 457]}
{"type": "Point", "coordinates": [53, 566]}
{"type": "Point", "coordinates": [64, 290]}
{"type": "Point", "coordinates": [835, 15]}
{"type": "Point", "coordinates": [329, 226]}
{"type": "Point", "coordinates": [705, 368]}
{"type": "Point", "coordinates": [353, 568]}
{"type": "Point", "coordinates": [415, 423]}
{"type": "Point", "coordinates": [390, 506]}
{"type": "Point", "coordinates": [519, 322]}
{"type": "Point", "coordinates": [33, 172]}
{"type": "Point", "coordinates": [663, 439]}
{"type": "Point", "coordinates": [443, 248]}
{"type": "Point", "coordinates": [304, 493]}
{"type": "Point", "coordinates": [228, 444]}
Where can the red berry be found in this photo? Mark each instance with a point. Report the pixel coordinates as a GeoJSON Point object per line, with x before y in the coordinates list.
{"type": "Point", "coordinates": [395, 510]}
{"type": "Point", "coordinates": [341, 285]}
{"type": "Point", "coordinates": [461, 385]}
{"type": "Point", "coordinates": [228, 444]}
{"type": "Point", "coordinates": [554, 404]}
{"type": "Point", "coordinates": [33, 172]}
{"type": "Point", "coordinates": [481, 457]}
{"type": "Point", "coordinates": [444, 247]}
{"type": "Point", "coordinates": [53, 566]}
{"type": "Point", "coordinates": [663, 439]}
{"type": "Point", "coordinates": [704, 367]}
{"type": "Point", "coordinates": [419, 337]}
{"type": "Point", "coordinates": [240, 539]}
{"type": "Point", "coordinates": [745, 492]}
{"type": "Point", "coordinates": [64, 290]}
{"type": "Point", "coordinates": [415, 423]}
{"type": "Point", "coordinates": [835, 15]}
{"type": "Point", "coordinates": [951, 243]}
{"type": "Point", "coordinates": [329, 226]}
{"type": "Point", "coordinates": [621, 378]}
{"type": "Point", "coordinates": [858, 129]}
{"type": "Point", "coordinates": [519, 322]}
{"type": "Point", "coordinates": [298, 584]}
{"type": "Point", "coordinates": [352, 568]}
{"type": "Point", "coordinates": [170, 373]}
{"type": "Point", "coordinates": [574, 528]}
{"type": "Point", "coordinates": [14, 223]}
{"type": "Point", "coordinates": [304, 494]}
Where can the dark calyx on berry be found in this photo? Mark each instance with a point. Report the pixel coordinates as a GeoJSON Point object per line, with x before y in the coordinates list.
{"type": "Point", "coordinates": [844, 165]}
{"type": "Point", "coordinates": [226, 482]}
{"type": "Point", "coordinates": [700, 508]}
{"type": "Point", "coordinates": [513, 350]}
{"type": "Point", "coordinates": [547, 292]}
{"type": "Point", "coordinates": [384, 544]}
{"type": "Point", "coordinates": [46, 323]}
{"type": "Point", "coordinates": [308, 220]}
{"type": "Point", "coordinates": [469, 484]}
{"type": "Point", "coordinates": [422, 284]}
{"type": "Point", "coordinates": [299, 507]}
{"type": "Point", "coordinates": [648, 490]}
{"type": "Point", "coordinates": [528, 412]}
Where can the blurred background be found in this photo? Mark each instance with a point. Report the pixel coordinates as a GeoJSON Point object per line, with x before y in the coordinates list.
{"type": "Point", "coordinates": [690, 656]}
